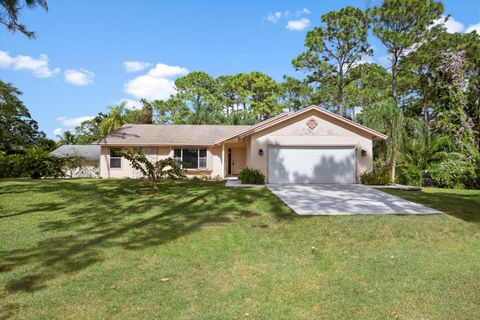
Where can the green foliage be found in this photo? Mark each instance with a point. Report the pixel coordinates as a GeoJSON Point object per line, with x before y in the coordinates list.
{"type": "Point", "coordinates": [378, 176]}
{"type": "Point", "coordinates": [410, 175]}
{"type": "Point", "coordinates": [67, 137]}
{"type": "Point", "coordinates": [296, 94]}
{"type": "Point", "coordinates": [143, 115]}
{"type": "Point", "coordinates": [167, 168]}
{"type": "Point", "coordinates": [388, 119]}
{"type": "Point", "coordinates": [17, 128]}
{"type": "Point", "coordinates": [333, 49]}
{"type": "Point", "coordinates": [369, 85]}
{"type": "Point", "coordinates": [198, 91]}
{"type": "Point", "coordinates": [251, 176]}
{"type": "Point", "coordinates": [452, 173]}
{"type": "Point", "coordinates": [114, 120]}
{"type": "Point", "coordinates": [401, 24]}
{"type": "Point", "coordinates": [35, 163]}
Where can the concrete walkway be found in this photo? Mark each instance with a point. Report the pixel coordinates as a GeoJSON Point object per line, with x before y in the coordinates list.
{"type": "Point", "coordinates": [335, 199]}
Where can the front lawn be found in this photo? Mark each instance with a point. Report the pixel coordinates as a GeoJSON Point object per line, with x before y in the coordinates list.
{"type": "Point", "coordinates": [464, 204]}
{"type": "Point", "coordinates": [97, 249]}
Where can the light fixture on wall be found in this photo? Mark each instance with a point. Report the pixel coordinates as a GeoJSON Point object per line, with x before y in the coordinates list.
{"type": "Point", "coordinates": [364, 153]}
{"type": "Point", "coordinates": [260, 152]}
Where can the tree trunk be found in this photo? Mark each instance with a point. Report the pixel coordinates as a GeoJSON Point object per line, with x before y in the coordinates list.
{"type": "Point", "coordinates": [340, 95]}
{"type": "Point", "coordinates": [394, 76]}
{"type": "Point", "coordinates": [426, 120]}
{"type": "Point", "coordinates": [393, 164]}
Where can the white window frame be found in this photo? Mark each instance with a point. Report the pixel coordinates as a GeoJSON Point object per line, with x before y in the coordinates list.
{"type": "Point", "coordinates": [198, 158]}
{"type": "Point", "coordinates": [110, 159]}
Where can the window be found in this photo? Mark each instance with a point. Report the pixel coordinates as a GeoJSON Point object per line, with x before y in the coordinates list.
{"type": "Point", "coordinates": [115, 158]}
{"type": "Point", "coordinates": [191, 158]}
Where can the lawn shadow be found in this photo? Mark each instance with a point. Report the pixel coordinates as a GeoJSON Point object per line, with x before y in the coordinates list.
{"type": "Point", "coordinates": [106, 214]}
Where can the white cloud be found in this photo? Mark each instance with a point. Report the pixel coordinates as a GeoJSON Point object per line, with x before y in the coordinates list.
{"type": "Point", "coordinates": [385, 61]}
{"type": "Point", "coordinates": [80, 77]}
{"type": "Point", "coordinates": [39, 67]}
{"type": "Point", "coordinates": [473, 27]}
{"type": "Point", "coordinates": [58, 132]}
{"type": "Point", "coordinates": [303, 11]}
{"type": "Point", "coordinates": [131, 104]}
{"type": "Point", "coordinates": [72, 122]}
{"type": "Point", "coordinates": [277, 15]}
{"type": "Point", "coordinates": [451, 24]}
{"type": "Point", "coordinates": [274, 17]}
{"type": "Point", "coordinates": [365, 59]}
{"type": "Point", "coordinates": [135, 66]}
{"type": "Point", "coordinates": [298, 25]}
{"type": "Point", "coordinates": [157, 84]}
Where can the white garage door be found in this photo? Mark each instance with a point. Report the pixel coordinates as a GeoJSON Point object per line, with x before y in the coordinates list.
{"type": "Point", "coordinates": [311, 165]}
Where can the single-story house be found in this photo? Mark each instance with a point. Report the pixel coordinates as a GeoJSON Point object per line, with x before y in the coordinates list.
{"type": "Point", "coordinates": [88, 163]}
{"type": "Point", "coordinates": [312, 145]}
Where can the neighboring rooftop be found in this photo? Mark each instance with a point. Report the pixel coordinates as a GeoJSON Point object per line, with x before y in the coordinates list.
{"type": "Point", "coordinates": [169, 135]}
{"type": "Point", "coordinates": [85, 151]}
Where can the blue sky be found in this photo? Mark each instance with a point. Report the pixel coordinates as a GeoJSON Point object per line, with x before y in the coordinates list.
{"type": "Point", "coordinates": [92, 54]}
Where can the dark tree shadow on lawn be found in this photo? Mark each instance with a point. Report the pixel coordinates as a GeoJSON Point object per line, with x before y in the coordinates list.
{"type": "Point", "coordinates": [122, 214]}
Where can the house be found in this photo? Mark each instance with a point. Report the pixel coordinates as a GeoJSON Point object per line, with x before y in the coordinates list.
{"type": "Point", "coordinates": [312, 145]}
{"type": "Point", "coordinates": [87, 160]}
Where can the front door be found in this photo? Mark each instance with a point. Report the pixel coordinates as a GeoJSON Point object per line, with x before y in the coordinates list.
{"type": "Point", "coordinates": [237, 157]}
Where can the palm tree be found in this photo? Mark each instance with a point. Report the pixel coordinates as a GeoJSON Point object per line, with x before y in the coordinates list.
{"type": "Point", "coordinates": [385, 117]}
{"type": "Point", "coordinates": [67, 138]}
{"type": "Point", "coordinates": [114, 120]}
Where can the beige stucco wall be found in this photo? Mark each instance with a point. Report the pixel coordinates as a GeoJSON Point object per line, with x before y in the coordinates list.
{"type": "Point", "coordinates": [154, 153]}
{"type": "Point", "coordinates": [295, 132]}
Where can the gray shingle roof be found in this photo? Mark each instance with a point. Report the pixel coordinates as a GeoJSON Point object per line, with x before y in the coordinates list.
{"type": "Point", "coordinates": [169, 135]}
{"type": "Point", "coordinates": [84, 151]}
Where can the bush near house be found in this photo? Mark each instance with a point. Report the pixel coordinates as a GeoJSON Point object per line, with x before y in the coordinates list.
{"type": "Point", "coordinates": [410, 175]}
{"type": "Point", "coordinates": [453, 173]}
{"type": "Point", "coordinates": [35, 163]}
{"type": "Point", "coordinates": [251, 176]}
{"type": "Point", "coordinates": [378, 176]}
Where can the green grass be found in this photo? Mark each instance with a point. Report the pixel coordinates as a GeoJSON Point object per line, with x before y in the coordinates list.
{"type": "Point", "coordinates": [464, 204]}
{"type": "Point", "coordinates": [97, 249]}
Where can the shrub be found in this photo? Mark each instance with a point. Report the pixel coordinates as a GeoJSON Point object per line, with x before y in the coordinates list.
{"type": "Point", "coordinates": [37, 163]}
{"type": "Point", "coordinates": [6, 170]}
{"type": "Point", "coordinates": [410, 175]}
{"type": "Point", "coordinates": [251, 176]}
{"type": "Point", "coordinates": [34, 163]}
{"type": "Point", "coordinates": [378, 176]}
{"type": "Point", "coordinates": [453, 173]}
{"type": "Point", "coordinates": [167, 168]}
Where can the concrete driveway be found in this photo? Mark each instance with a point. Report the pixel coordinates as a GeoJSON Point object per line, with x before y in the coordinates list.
{"type": "Point", "coordinates": [335, 199]}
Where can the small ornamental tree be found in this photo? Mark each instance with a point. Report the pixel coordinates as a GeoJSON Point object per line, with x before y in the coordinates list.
{"type": "Point", "coordinates": [168, 168]}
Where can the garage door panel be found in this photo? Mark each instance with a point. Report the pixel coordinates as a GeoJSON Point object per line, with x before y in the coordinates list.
{"type": "Point", "coordinates": [311, 165]}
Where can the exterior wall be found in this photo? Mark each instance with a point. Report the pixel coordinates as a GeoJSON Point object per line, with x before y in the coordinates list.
{"type": "Point", "coordinates": [154, 153]}
{"type": "Point", "coordinates": [126, 171]}
{"type": "Point", "coordinates": [215, 154]}
{"type": "Point", "coordinates": [295, 132]}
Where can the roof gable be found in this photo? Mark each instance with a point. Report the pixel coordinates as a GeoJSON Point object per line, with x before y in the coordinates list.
{"type": "Point", "coordinates": [328, 115]}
